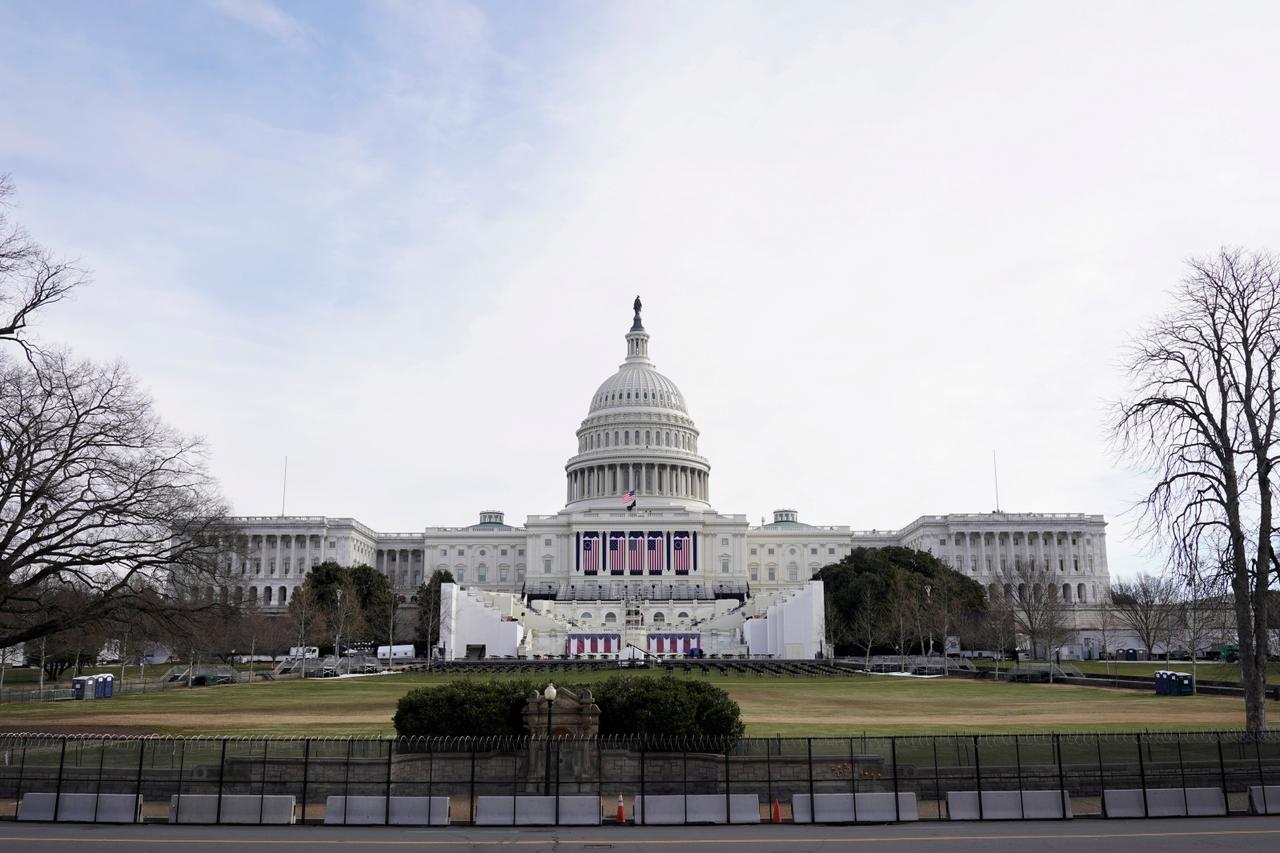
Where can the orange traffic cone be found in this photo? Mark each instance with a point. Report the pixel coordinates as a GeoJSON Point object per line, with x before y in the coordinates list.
{"type": "Point", "coordinates": [777, 812]}
{"type": "Point", "coordinates": [622, 810]}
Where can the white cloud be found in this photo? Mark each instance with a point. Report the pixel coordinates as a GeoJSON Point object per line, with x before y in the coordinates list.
{"type": "Point", "coordinates": [266, 18]}
{"type": "Point", "coordinates": [873, 245]}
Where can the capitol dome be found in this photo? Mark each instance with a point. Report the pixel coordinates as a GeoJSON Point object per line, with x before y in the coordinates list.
{"type": "Point", "coordinates": [637, 435]}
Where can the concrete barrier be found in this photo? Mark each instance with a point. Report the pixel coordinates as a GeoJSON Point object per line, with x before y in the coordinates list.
{"type": "Point", "coordinates": [667, 809]}
{"type": "Point", "coordinates": [373, 811]}
{"type": "Point", "coordinates": [1009, 805]}
{"type": "Point", "coordinates": [81, 808]}
{"type": "Point", "coordinates": [537, 811]}
{"type": "Point", "coordinates": [1164, 802]}
{"type": "Point", "coordinates": [869, 807]}
{"type": "Point", "coordinates": [235, 808]}
{"type": "Point", "coordinates": [1264, 800]}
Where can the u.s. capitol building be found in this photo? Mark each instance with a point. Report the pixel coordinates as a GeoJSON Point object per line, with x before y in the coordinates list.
{"type": "Point", "coordinates": [667, 574]}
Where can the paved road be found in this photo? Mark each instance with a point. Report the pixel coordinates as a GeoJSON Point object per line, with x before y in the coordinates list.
{"type": "Point", "coordinates": [1202, 835]}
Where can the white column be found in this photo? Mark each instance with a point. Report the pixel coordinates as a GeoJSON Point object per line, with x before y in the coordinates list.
{"type": "Point", "coordinates": [968, 561]}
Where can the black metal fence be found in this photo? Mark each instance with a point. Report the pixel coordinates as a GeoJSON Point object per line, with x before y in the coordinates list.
{"type": "Point", "coordinates": [774, 769]}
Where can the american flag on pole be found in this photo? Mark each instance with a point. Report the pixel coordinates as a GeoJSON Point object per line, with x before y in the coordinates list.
{"type": "Point", "coordinates": [654, 547]}
{"type": "Point", "coordinates": [629, 499]}
{"type": "Point", "coordinates": [617, 557]}
{"type": "Point", "coordinates": [635, 554]}
{"type": "Point", "coordinates": [590, 553]}
{"type": "Point", "coordinates": [680, 557]}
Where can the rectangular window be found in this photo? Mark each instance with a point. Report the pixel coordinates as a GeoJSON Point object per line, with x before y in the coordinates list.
{"type": "Point", "coordinates": [444, 552]}
{"type": "Point", "coordinates": [773, 573]}
{"type": "Point", "coordinates": [546, 543]}
{"type": "Point", "coordinates": [502, 573]}
{"type": "Point", "coordinates": [519, 552]}
{"type": "Point", "coordinates": [546, 566]}
{"type": "Point", "coordinates": [813, 550]}
{"type": "Point", "coordinates": [502, 552]}
{"type": "Point", "coordinates": [831, 551]}
{"type": "Point", "coordinates": [519, 573]}
{"type": "Point", "coordinates": [753, 551]}
{"type": "Point", "coordinates": [480, 575]}
{"type": "Point", "coordinates": [942, 541]}
{"type": "Point", "coordinates": [771, 551]}
{"type": "Point", "coordinates": [459, 552]}
{"type": "Point", "coordinates": [724, 540]}
{"type": "Point", "coordinates": [755, 573]}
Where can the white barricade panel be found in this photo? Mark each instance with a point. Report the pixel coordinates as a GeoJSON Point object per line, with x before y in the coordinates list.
{"type": "Point", "coordinates": [1206, 802]}
{"type": "Point", "coordinates": [1264, 800]}
{"type": "Point", "coordinates": [659, 809]}
{"type": "Point", "coordinates": [234, 808]}
{"type": "Point", "coordinates": [1123, 802]}
{"type": "Point", "coordinates": [1046, 805]}
{"type": "Point", "coordinates": [495, 811]}
{"type": "Point", "coordinates": [878, 807]}
{"type": "Point", "coordinates": [81, 808]}
{"type": "Point", "coordinates": [1166, 802]}
{"type": "Point", "coordinates": [962, 805]}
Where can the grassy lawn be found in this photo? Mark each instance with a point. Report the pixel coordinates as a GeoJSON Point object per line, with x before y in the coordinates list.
{"type": "Point", "coordinates": [786, 706]}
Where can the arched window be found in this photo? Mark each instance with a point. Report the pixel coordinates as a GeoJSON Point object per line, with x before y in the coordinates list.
{"type": "Point", "coordinates": [267, 594]}
{"type": "Point", "coordinates": [586, 616]}
{"type": "Point", "coordinates": [636, 440]}
{"type": "Point", "coordinates": [626, 438]}
{"type": "Point", "coordinates": [647, 437]}
{"type": "Point", "coordinates": [659, 618]}
{"type": "Point", "coordinates": [253, 595]}
{"type": "Point", "coordinates": [610, 618]}
{"type": "Point", "coordinates": [1080, 593]}
{"type": "Point", "coordinates": [682, 615]}
{"type": "Point", "coordinates": [283, 598]}
{"type": "Point", "coordinates": [1066, 592]}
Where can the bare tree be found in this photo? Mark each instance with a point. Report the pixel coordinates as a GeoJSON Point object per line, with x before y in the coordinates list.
{"type": "Point", "coordinates": [1202, 420]}
{"type": "Point", "coordinates": [30, 278]}
{"type": "Point", "coordinates": [1000, 627]}
{"type": "Point", "coordinates": [304, 610]}
{"type": "Point", "coordinates": [1146, 607]}
{"type": "Point", "coordinates": [868, 626]}
{"type": "Point", "coordinates": [1107, 624]}
{"type": "Point", "coordinates": [1202, 613]}
{"type": "Point", "coordinates": [1039, 611]}
{"type": "Point", "coordinates": [904, 613]}
{"type": "Point", "coordinates": [96, 495]}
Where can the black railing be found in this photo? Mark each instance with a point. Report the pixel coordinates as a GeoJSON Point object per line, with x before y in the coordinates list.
{"type": "Point", "coordinates": [775, 770]}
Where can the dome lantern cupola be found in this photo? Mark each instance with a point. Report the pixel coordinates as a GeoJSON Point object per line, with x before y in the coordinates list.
{"type": "Point", "coordinates": [637, 435]}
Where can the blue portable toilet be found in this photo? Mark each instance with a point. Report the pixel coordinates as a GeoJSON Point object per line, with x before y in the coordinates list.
{"type": "Point", "coordinates": [101, 686]}
{"type": "Point", "coordinates": [111, 685]}
{"type": "Point", "coordinates": [83, 687]}
{"type": "Point", "coordinates": [1162, 682]}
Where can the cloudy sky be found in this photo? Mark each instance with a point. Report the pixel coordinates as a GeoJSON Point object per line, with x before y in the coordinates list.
{"type": "Point", "coordinates": [398, 241]}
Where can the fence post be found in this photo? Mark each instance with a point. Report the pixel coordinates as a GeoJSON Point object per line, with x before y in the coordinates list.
{"type": "Point", "coordinates": [1017, 763]}
{"type": "Point", "coordinates": [1222, 768]}
{"type": "Point", "coordinates": [431, 779]}
{"type": "Point", "coordinates": [684, 780]}
{"type": "Point", "coordinates": [137, 786]}
{"type": "Point", "coordinates": [728, 801]}
{"type": "Point", "coordinates": [1102, 779]}
{"type": "Point", "coordinates": [513, 803]}
{"type": "Point", "coordinates": [471, 789]}
{"type": "Point", "coordinates": [937, 781]}
{"type": "Point", "coordinates": [640, 802]}
{"type": "Point", "coordinates": [1142, 777]}
{"type": "Point", "coordinates": [182, 763]}
{"type": "Point", "coordinates": [1262, 779]}
{"type": "Point", "coordinates": [897, 808]}
{"type": "Point", "coordinates": [386, 815]}
{"type": "Point", "coordinates": [306, 775]}
{"type": "Point", "coordinates": [97, 788]}
{"type": "Point", "coordinates": [1062, 784]}
{"type": "Point", "coordinates": [853, 779]}
{"type": "Point", "coordinates": [57, 791]}
{"type": "Point", "coordinates": [977, 773]}
{"type": "Point", "coordinates": [1182, 776]}
{"type": "Point", "coordinates": [813, 805]}
{"type": "Point", "coordinates": [262, 786]}
{"type": "Point", "coordinates": [768, 777]}
{"type": "Point", "coordinates": [22, 767]}
{"type": "Point", "coordinates": [222, 769]}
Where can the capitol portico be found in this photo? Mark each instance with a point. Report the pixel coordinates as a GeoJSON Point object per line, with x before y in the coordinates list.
{"type": "Point", "coordinates": [669, 574]}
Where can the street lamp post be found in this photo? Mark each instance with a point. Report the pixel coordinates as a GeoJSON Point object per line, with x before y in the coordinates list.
{"type": "Point", "coordinates": [550, 695]}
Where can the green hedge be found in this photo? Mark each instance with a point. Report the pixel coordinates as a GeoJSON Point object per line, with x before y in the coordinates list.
{"type": "Point", "coordinates": [629, 705]}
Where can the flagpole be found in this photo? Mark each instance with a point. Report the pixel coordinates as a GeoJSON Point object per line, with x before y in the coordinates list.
{"type": "Point", "coordinates": [284, 486]}
{"type": "Point", "coordinates": [995, 471]}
